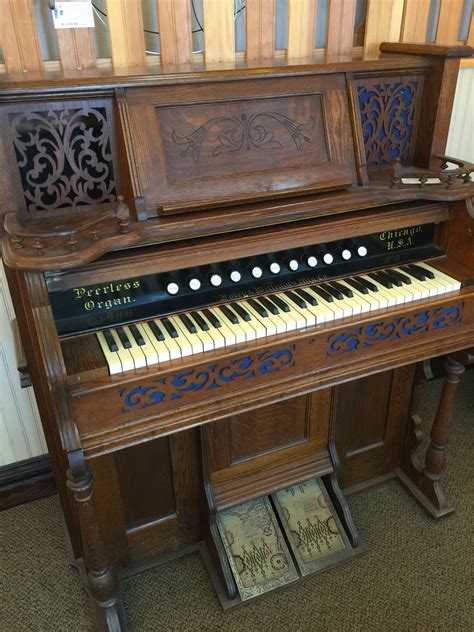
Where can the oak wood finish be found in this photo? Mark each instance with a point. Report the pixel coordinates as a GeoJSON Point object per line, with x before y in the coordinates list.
{"type": "Point", "coordinates": [174, 18]}
{"type": "Point", "coordinates": [127, 41]}
{"type": "Point", "coordinates": [341, 16]}
{"type": "Point", "coordinates": [219, 34]}
{"type": "Point", "coordinates": [415, 21]}
{"type": "Point", "coordinates": [164, 469]}
{"type": "Point", "coordinates": [301, 28]}
{"type": "Point", "coordinates": [19, 37]}
{"type": "Point", "coordinates": [260, 29]}
{"type": "Point", "coordinates": [76, 48]}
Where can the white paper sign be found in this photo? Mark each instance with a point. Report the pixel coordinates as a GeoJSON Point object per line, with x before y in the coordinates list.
{"type": "Point", "coordinates": [73, 15]}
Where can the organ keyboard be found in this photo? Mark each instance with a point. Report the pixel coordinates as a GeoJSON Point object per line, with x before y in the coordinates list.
{"type": "Point", "coordinates": [223, 285]}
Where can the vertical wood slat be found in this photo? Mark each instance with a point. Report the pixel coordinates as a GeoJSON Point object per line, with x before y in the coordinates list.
{"type": "Point", "coordinates": [174, 20]}
{"type": "Point", "coordinates": [301, 28]}
{"type": "Point", "coordinates": [384, 19]}
{"type": "Point", "coordinates": [341, 18]}
{"type": "Point", "coordinates": [219, 33]}
{"type": "Point", "coordinates": [448, 21]}
{"type": "Point", "coordinates": [470, 32]}
{"type": "Point", "coordinates": [260, 29]}
{"type": "Point", "coordinates": [127, 41]}
{"type": "Point", "coordinates": [415, 21]}
{"type": "Point", "coordinates": [76, 48]}
{"type": "Point", "coordinates": [19, 36]}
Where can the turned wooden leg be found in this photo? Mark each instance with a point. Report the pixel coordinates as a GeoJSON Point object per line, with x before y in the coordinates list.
{"type": "Point", "coordinates": [424, 483]}
{"type": "Point", "coordinates": [101, 580]}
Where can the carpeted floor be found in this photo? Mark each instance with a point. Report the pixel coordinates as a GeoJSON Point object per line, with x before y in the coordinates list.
{"type": "Point", "coordinates": [417, 574]}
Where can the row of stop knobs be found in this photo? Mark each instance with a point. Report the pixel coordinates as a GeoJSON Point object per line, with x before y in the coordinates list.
{"type": "Point", "coordinates": [274, 267]}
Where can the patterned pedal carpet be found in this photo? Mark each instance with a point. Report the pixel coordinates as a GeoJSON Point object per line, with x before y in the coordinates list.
{"type": "Point", "coordinates": [417, 574]}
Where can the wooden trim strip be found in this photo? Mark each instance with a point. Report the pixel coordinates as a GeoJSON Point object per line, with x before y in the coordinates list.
{"type": "Point", "coordinates": [26, 480]}
{"type": "Point", "coordinates": [383, 24]}
{"type": "Point", "coordinates": [260, 29]}
{"type": "Point", "coordinates": [127, 41]}
{"type": "Point", "coordinates": [301, 28]}
{"type": "Point", "coordinates": [470, 33]}
{"type": "Point", "coordinates": [174, 20]}
{"type": "Point", "coordinates": [341, 18]}
{"type": "Point", "coordinates": [219, 34]}
{"type": "Point", "coordinates": [415, 21]}
{"type": "Point", "coordinates": [449, 21]}
{"type": "Point", "coordinates": [19, 36]}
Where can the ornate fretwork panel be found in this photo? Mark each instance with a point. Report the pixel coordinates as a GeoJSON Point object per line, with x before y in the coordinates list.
{"type": "Point", "coordinates": [64, 156]}
{"type": "Point", "coordinates": [388, 109]}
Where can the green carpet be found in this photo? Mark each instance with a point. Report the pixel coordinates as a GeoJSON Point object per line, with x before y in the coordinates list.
{"type": "Point", "coordinates": [417, 574]}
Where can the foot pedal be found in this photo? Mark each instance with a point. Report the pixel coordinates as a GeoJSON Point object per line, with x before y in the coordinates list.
{"type": "Point", "coordinates": [312, 527]}
{"type": "Point", "coordinates": [256, 548]}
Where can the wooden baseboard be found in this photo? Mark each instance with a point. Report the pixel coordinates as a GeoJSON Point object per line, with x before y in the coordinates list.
{"type": "Point", "coordinates": [26, 480]}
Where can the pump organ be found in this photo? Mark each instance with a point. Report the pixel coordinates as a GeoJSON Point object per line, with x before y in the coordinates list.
{"type": "Point", "coordinates": [223, 280]}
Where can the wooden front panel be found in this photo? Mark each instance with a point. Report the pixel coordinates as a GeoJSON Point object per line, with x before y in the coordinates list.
{"type": "Point", "coordinates": [256, 139]}
{"type": "Point", "coordinates": [369, 422]}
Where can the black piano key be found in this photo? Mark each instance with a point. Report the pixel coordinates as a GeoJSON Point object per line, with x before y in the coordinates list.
{"type": "Point", "coordinates": [170, 328]}
{"type": "Point", "coordinates": [110, 341]}
{"type": "Point", "coordinates": [403, 277]}
{"type": "Point", "coordinates": [188, 323]}
{"type": "Point", "coordinates": [297, 300]}
{"type": "Point", "coordinates": [137, 335]}
{"type": "Point", "coordinates": [280, 303]}
{"type": "Point", "coordinates": [368, 284]}
{"type": "Point", "coordinates": [212, 318]}
{"type": "Point", "coordinates": [419, 276]}
{"type": "Point", "coordinates": [240, 311]}
{"type": "Point", "coordinates": [322, 293]}
{"type": "Point", "coordinates": [200, 321]}
{"type": "Point", "coordinates": [258, 308]}
{"type": "Point", "coordinates": [357, 285]}
{"type": "Point", "coordinates": [332, 290]}
{"type": "Point", "coordinates": [427, 273]}
{"type": "Point", "coordinates": [123, 337]}
{"type": "Point", "coordinates": [230, 314]}
{"type": "Point", "coordinates": [306, 296]}
{"type": "Point", "coordinates": [159, 335]}
{"type": "Point", "coordinates": [377, 276]}
{"type": "Point", "coordinates": [343, 288]}
{"type": "Point", "coordinates": [269, 305]}
{"type": "Point", "coordinates": [393, 278]}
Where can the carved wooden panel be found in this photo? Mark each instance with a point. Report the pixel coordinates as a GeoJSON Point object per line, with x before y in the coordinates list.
{"type": "Point", "coordinates": [389, 110]}
{"type": "Point", "coordinates": [61, 155]}
{"type": "Point", "coordinates": [258, 139]}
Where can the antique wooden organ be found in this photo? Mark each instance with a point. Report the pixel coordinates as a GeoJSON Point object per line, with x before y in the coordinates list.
{"type": "Point", "coordinates": [224, 280]}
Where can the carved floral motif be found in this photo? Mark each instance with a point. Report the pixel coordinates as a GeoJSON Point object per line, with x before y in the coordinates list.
{"type": "Point", "coordinates": [213, 376]}
{"type": "Point", "coordinates": [395, 329]}
{"type": "Point", "coordinates": [387, 113]}
{"type": "Point", "coordinates": [234, 133]}
{"type": "Point", "coordinates": [64, 157]}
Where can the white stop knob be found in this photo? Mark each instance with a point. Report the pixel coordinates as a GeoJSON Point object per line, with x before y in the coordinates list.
{"type": "Point", "coordinates": [328, 258]}
{"type": "Point", "coordinates": [215, 280]}
{"type": "Point", "coordinates": [235, 276]}
{"type": "Point", "coordinates": [275, 267]}
{"type": "Point", "coordinates": [312, 261]}
{"type": "Point", "coordinates": [346, 254]}
{"type": "Point", "coordinates": [362, 251]}
{"type": "Point", "coordinates": [293, 265]}
{"type": "Point", "coordinates": [256, 272]}
{"type": "Point", "coordinates": [194, 284]}
{"type": "Point", "coordinates": [172, 288]}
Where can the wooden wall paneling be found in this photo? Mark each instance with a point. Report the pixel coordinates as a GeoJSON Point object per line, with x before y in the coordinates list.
{"type": "Point", "coordinates": [219, 33]}
{"type": "Point", "coordinates": [19, 36]}
{"type": "Point", "coordinates": [415, 21]}
{"type": "Point", "coordinates": [448, 21]}
{"type": "Point", "coordinates": [260, 29]}
{"type": "Point", "coordinates": [76, 48]}
{"type": "Point", "coordinates": [301, 28]}
{"type": "Point", "coordinates": [341, 17]}
{"type": "Point", "coordinates": [383, 23]}
{"type": "Point", "coordinates": [174, 20]}
{"type": "Point", "coordinates": [470, 32]}
{"type": "Point", "coordinates": [127, 40]}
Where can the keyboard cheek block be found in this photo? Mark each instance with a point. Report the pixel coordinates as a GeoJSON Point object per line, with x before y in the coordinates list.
{"type": "Point", "coordinates": [318, 356]}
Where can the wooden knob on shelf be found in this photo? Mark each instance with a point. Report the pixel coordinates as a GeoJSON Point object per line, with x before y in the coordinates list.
{"type": "Point", "coordinates": [123, 215]}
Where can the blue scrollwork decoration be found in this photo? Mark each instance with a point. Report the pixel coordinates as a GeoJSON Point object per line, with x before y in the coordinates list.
{"type": "Point", "coordinates": [395, 329]}
{"type": "Point", "coordinates": [213, 376]}
{"type": "Point", "coordinates": [387, 113]}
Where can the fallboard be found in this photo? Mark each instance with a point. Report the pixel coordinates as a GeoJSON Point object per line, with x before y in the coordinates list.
{"type": "Point", "coordinates": [195, 146]}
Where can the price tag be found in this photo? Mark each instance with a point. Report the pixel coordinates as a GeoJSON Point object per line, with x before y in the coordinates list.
{"type": "Point", "coordinates": [73, 15]}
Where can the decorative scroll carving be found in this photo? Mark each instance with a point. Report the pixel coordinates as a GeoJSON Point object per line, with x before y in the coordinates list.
{"type": "Point", "coordinates": [234, 133]}
{"type": "Point", "coordinates": [395, 329]}
{"type": "Point", "coordinates": [211, 377]}
{"type": "Point", "coordinates": [64, 157]}
{"type": "Point", "coordinates": [387, 114]}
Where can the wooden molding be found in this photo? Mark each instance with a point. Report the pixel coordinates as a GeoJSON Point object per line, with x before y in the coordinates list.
{"type": "Point", "coordinates": [27, 480]}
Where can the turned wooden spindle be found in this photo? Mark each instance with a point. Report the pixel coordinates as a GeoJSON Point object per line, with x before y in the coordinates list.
{"type": "Point", "coordinates": [435, 460]}
{"type": "Point", "coordinates": [102, 581]}
{"type": "Point", "coordinates": [123, 215]}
